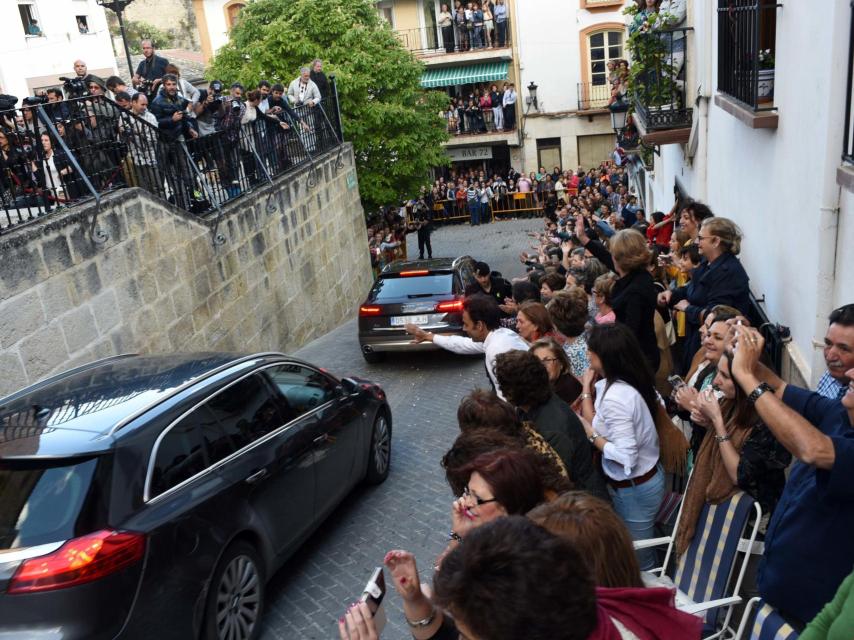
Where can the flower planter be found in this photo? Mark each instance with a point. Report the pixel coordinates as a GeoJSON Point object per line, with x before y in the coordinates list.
{"type": "Point", "coordinates": [765, 88]}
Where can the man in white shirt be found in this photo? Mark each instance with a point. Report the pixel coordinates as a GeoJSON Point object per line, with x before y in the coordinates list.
{"type": "Point", "coordinates": [481, 318]}
{"type": "Point", "coordinates": [303, 90]}
{"type": "Point", "coordinates": [509, 105]}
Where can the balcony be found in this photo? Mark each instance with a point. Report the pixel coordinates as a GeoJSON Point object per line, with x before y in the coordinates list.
{"type": "Point", "coordinates": [427, 44]}
{"type": "Point", "coordinates": [746, 45]}
{"type": "Point", "coordinates": [593, 97]}
{"type": "Point", "coordinates": [479, 131]}
{"type": "Point", "coordinates": [657, 87]}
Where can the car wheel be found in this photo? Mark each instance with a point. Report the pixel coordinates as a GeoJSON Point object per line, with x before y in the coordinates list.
{"type": "Point", "coordinates": [236, 595]}
{"type": "Point", "coordinates": [379, 457]}
{"type": "Point", "coordinates": [373, 357]}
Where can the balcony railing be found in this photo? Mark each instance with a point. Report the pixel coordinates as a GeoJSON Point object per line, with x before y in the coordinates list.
{"type": "Point", "coordinates": [476, 123]}
{"type": "Point", "coordinates": [742, 25]}
{"type": "Point", "coordinates": [658, 87]}
{"type": "Point", "coordinates": [431, 40]}
{"type": "Point", "coordinates": [848, 137]}
{"type": "Point", "coordinates": [61, 154]}
{"type": "Point", "coordinates": [593, 96]}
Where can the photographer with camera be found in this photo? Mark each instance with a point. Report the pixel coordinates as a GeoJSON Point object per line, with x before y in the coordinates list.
{"type": "Point", "coordinates": [171, 112]}
{"type": "Point", "coordinates": [21, 174]}
{"type": "Point", "coordinates": [280, 119]}
{"type": "Point", "coordinates": [115, 86]}
{"type": "Point", "coordinates": [150, 71]}
{"type": "Point", "coordinates": [56, 107]}
{"type": "Point", "coordinates": [103, 119]}
{"type": "Point", "coordinates": [143, 146]}
{"type": "Point", "coordinates": [228, 121]}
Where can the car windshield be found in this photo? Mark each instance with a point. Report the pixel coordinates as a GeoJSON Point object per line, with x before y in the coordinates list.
{"type": "Point", "coordinates": [49, 502]}
{"type": "Point", "coordinates": [412, 286]}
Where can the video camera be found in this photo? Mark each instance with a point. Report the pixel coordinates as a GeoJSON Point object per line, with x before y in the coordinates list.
{"type": "Point", "coordinates": [31, 101]}
{"type": "Point", "coordinates": [74, 87]}
{"type": "Point", "coordinates": [7, 102]}
{"type": "Point", "coordinates": [145, 86]}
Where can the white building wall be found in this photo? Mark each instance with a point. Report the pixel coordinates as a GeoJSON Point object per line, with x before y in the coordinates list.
{"type": "Point", "coordinates": [217, 26]}
{"type": "Point", "coordinates": [29, 62]}
{"type": "Point", "coordinates": [779, 184]}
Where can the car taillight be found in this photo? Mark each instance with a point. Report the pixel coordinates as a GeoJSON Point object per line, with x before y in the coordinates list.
{"type": "Point", "coordinates": [78, 561]}
{"type": "Point", "coordinates": [367, 310]}
{"type": "Point", "coordinates": [449, 306]}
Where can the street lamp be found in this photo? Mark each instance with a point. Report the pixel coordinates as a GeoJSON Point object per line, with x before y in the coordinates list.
{"type": "Point", "coordinates": [117, 7]}
{"type": "Point", "coordinates": [532, 95]}
{"type": "Point", "coordinates": [619, 114]}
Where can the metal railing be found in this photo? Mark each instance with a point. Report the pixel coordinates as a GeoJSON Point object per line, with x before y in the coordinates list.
{"type": "Point", "coordinates": [848, 137]}
{"type": "Point", "coordinates": [739, 33]}
{"type": "Point", "coordinates": [64, 153]}
{"type": "Point", "coordinates": [478, 121]}
{"type": "Point", "coordinates": [658, 88]}
{"type": "Point", "coordinates": [432, 40]}
{"type": "Point", "coordinates": [593, 96]}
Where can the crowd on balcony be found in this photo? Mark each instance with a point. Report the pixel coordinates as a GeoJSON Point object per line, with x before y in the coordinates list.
{"type": "Point", "coordinates": [473, 25]}
{"type": "Point", "coordinates": [185, 144]}
{"type": "Point", "coordinates": [627, 379]}
{"type": "Point", "coordinates": [488, 108]}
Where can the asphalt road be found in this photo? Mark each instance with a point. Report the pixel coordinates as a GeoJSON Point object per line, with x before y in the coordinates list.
{"type": "Point", "coordinates": [411, 510]}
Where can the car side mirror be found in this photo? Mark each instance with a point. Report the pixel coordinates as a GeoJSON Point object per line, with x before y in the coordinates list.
{"type": "Point", "coordinates": [349, 387]}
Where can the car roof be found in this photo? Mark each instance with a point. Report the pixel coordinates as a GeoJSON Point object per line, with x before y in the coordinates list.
{"type": "Point", "coordinates": [79, 410]}
{"type": "Point", "coordinates": [434, 264]}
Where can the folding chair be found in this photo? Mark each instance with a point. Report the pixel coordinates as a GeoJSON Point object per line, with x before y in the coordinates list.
{"type": "Point", "coordinates": [704, 571]}
{"type": "Point", "coordinates": [768, 624]}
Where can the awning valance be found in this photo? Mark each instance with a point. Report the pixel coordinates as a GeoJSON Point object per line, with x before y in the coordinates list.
{"type": "Point", "coordinates": [468, 74]}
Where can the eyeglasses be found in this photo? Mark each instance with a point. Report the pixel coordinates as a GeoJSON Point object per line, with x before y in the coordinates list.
{"type": "Point", "coordinates": [545, 360]}
{"type": "Point", "coordinates": [478, 501]}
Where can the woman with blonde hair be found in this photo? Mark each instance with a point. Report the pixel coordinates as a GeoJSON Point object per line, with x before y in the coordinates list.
{"type": "Point", "coordinates": [720, 279]}
{"type": "Point", "coordinates": [634, 293]}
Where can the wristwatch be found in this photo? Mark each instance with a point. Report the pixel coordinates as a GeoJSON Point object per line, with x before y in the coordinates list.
{"type": "Point", "coordinates": [584, 396]}
{"type": "Point", "coordinates": [758, 391]}
{"type": "Point", "coordinates": [592, 437]}
{"type": "Point", "coordinates": [419, 624]}
{"type": "Point", "coordinates": [721, 439]}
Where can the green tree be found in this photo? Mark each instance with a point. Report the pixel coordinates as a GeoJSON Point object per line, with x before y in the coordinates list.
{"type": "Point", "coordinates": [137, 31]}
{"type": "Point", "coordinates": [394, 125]}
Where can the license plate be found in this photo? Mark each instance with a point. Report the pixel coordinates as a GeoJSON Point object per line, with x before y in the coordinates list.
{"type": "Point", "coordinates": [399, 321]}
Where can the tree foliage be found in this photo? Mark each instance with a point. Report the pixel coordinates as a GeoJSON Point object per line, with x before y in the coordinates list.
{"type": "Point", "coordinates": [394, 125]}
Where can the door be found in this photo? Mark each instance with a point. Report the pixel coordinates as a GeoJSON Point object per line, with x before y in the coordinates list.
{"type": "Point", "coordinates": [593, 150]}
{"type": "Point", "coordinates": [335, 431]}
{"type": "Point", "coordinates": [273, 460]}
{"type": "Point", "coordinates": [429, 30]}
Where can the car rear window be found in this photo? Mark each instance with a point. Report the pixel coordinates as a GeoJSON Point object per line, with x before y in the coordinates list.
{"type": "Point", "coordinates": [44, 502]}
{"type": "Point", "coordinates": [412, 286]}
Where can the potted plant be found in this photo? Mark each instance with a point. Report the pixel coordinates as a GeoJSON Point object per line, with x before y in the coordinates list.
{"type": "Point", "coordinates": [765, 88]}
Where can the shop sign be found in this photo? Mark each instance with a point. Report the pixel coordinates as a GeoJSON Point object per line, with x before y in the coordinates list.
{"type": "Point", "coordinates": [470, 153]}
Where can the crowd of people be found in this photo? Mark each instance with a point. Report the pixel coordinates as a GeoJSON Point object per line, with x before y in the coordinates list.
{"type": "Point", "coordinates": [473, 25]}
{"type": "Point", "coordinates": [487, 108]}
{"type": "Point", "coordinates": [624, 370]}
{"type": "Point", "coordinates": [159, 132]}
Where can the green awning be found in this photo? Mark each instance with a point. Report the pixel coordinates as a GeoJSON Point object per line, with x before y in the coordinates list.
{"type": "Point", "coordinates": [468, 74]}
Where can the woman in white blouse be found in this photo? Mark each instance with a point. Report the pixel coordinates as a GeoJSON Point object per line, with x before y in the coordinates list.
{"type": "Point", "coordinates": [621, 426]}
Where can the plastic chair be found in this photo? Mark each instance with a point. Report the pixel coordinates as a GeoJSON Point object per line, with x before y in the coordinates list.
{"type": "Point", "coordinates": [703, 573]}
{"type": "Point", "coordinates": [768, 624]}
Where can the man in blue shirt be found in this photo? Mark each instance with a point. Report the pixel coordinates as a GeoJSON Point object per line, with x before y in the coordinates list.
{"type": "Point", "coordinates": [809, 546]}
{"type": "Point", "coordinates": [838, 353]}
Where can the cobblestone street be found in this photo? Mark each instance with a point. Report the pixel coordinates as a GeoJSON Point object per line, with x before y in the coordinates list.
{"type": "Point", "coordinates": [411, 510]}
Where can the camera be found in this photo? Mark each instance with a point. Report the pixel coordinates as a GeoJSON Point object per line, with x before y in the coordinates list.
{"type": "Point", "coordinates": [145, 86]}
{"type": "Point", "coordinates": [74, 87]}
{"type": "Point", "coordinates": [216, 87]}
{"type": "Point", "coordinates": [31, 101]}
{"type": "Point", "coordinates": [7, 102]}
{"type": "Point", "coordinates": [235, 105]}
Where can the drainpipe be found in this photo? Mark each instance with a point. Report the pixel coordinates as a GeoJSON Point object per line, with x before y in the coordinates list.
{"type": "Point", "coordinates": [828, 246]}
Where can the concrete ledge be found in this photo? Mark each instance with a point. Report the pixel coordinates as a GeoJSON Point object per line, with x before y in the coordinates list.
{"type": "Point", "coordinates": [753, 119]}
{"type": "Point", "coordinates": [845, 177]}
{"type": "Point", "coordinates": [667, 136]}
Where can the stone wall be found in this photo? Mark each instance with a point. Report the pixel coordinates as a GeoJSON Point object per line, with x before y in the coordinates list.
{"type": "Point", "coordinates": [293, 266]}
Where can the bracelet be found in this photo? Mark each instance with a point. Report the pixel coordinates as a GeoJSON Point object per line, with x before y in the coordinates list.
{"type": "Point", "coordinates": [584, 396]}
{"type": "Point", "coordinates": [758, 391]}
{"type": "Point", "coordinates": [420, 624]}
{"type": "Point", "coordinates": [453, 535]}
{"type": "Point", "coordinates": [721, 439]}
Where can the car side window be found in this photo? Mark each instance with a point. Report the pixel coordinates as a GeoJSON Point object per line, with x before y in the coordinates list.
{"type": "Point", "coordinates": [180, 455]}
{"type": "Point", "coordinates": [303, 389]}
{"type": "Point", "coordinates": [246, 411]}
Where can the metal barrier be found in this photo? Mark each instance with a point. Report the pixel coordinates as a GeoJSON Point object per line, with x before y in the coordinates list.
{"type": "Point", "coordinates": [526, 204]}
{"type": "Point", "coordinates": [72, 151]}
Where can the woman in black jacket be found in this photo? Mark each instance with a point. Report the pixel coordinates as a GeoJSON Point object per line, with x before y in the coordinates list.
{"type": "Point", "coordinates": [634, 295]}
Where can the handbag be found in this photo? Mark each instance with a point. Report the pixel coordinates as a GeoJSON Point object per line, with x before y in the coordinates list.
{"type": "Point", "coordinates": [672, 444]}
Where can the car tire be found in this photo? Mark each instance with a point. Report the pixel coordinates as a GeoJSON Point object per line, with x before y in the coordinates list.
{"type": "Point", "coordinates": [374, 357]}
{"type": "Point", "coordinates": [235, 598]}
{"type": "Point", "coordinates": [379, 455]}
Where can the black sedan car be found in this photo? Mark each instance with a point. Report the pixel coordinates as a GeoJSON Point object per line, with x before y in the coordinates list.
{"type": "Point", "coordinates": [153, 496]}
{"type": "Point", "coordinates": [428, 293]}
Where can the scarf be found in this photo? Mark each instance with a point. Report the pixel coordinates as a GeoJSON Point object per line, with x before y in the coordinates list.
{"type": "Point", "coordinates": [710, 482]}
{"type": "Point", "coordinates": [649, 613]}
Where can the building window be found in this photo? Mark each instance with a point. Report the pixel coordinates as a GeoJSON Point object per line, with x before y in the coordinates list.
{"type": "Point", "coordinates": [29, 19]}
{"type": "Point", "coordinates": [548, 153]}
{"type": "Point", "coordinates": [604, 46]}
{"type": "Point", "coordinates": [82, 24]}
{"type": "Point", "coordinates": [385, 10]}
{"type": "Point", "coordinates": [232, 13]}
{"type": "Point", "coordinates": [746, 51]}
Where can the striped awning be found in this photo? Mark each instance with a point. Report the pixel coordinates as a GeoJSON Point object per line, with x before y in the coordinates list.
{"type": "Point", "coordinates": [468, 74]}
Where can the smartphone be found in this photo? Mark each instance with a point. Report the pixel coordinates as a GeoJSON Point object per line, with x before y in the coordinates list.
{"type": "Point", "coordinates": [676, 382]}
{"type": "Point", "coordinates": [373, 595]}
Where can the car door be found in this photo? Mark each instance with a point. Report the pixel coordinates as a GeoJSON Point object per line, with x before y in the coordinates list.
{"type": "Point", "coordinates": [335, 433]}
{"type": "Point", "coordinates": [273, 457]}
